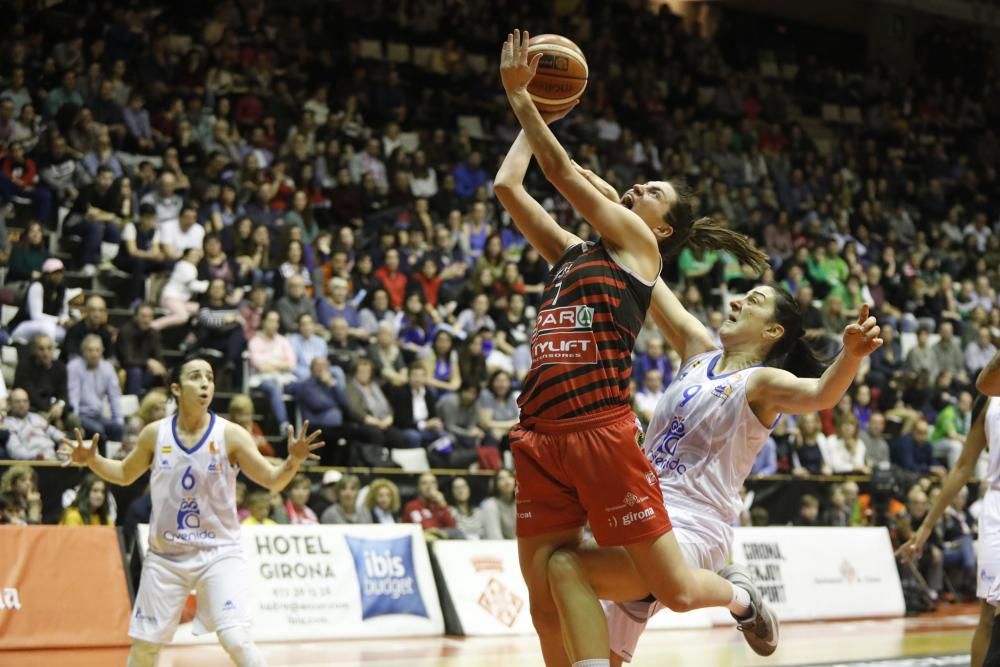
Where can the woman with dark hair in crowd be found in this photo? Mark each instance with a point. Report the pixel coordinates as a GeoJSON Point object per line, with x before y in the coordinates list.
{"type": "Point", "coordinates": [254, 256]}
{"type": "Point", "coordinates": [300, 215]}
{"type": "Point", "coordinates": [468, 517]}
{"type": "Point", "coordinates": [294, 264]}
{"type": "Point", "coordinates": [499, 510]}
{"type": "Point", "coordinates": [443, 369]}
{"type": "Point", "coordinates": [498, 409]}
{"type": "Point", "coordinates": [19, 488]}
{"type": "Point", "coordinates": [90, 507]}
{"type": "Point", "coordinates": [491, 259]}
{"type": "Point", "coordinates": [415, 326]}
{"type": "Point", "coordinates": [378, 311]}
{"type": "Point", "coordinates": [472, 357]}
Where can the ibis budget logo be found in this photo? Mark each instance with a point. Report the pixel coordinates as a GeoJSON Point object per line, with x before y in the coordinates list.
{"type": "Point", "coordinates": [386, 577]}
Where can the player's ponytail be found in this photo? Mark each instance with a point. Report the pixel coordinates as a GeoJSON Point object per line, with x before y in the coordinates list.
{"type": "Point", "coordinates": [706, 233]}
{"type": "Point", "coordinates": [792, 352]}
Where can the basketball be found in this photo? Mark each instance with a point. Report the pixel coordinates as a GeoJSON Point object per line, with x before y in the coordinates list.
{"type": "Point", "coordinates": [562, 73]}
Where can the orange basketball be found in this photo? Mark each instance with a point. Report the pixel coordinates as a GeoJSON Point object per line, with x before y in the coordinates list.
{"type": "Point", "coordinates": [562, 73]}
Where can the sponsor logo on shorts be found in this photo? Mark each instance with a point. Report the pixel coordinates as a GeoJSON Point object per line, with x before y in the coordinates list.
{"type": "Point", "coordinates": [523, 515]}
{"type": "Point", "coordinates": [9, 599]}
{"type": "Point", "coordinates": [651, 479]}
{"type": "Point", "coordinates": [139, 616]}
{"type": "Point", "coordinates": [629, 518]}
{"type": "Point", "coordinates": [386, 576]}
{"type": "Point", "coordinates": [631, 500]}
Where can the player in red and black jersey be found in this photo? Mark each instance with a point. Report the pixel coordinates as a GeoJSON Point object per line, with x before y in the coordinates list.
{"type": "Point", "coordinates": [575, 446]}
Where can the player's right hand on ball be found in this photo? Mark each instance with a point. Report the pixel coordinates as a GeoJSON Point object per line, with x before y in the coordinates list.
{"type": "Point", "coordinates": [78, 452]}
{"type": "Point", "coordinates": [515, 70]}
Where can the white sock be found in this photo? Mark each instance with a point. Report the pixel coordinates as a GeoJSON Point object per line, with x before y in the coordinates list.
{"type": "Point", "coordinates": [740, 604]}
{"type": "Point", "coordinates": [595, 662]}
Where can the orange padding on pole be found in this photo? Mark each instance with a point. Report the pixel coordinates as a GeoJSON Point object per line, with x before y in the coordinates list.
{"type": "Point", "coordinates": [62, 587]}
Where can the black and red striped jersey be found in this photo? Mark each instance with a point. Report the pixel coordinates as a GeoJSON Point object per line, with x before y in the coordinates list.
{"type": "Point", "coordinates": [581, 349]}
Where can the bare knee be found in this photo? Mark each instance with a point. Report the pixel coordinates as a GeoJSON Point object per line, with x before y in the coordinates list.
{"type": "Point", "coordinates": [545, 619]}
{"type": "Point", "coordinates": [563, 569]}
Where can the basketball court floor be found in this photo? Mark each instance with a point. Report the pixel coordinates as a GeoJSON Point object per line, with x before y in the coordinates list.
{"type": "Point", "coordinates": [938, 640]}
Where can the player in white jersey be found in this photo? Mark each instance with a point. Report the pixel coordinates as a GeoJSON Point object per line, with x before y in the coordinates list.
{"type": "Point", "coordinates": [984, 432]}
{"type": "Point", "coordinates": [194, 536]}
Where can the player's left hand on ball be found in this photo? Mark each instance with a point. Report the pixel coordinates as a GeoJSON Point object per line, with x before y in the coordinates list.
{"type": "Point", "coordinates": [515, 69]}
{"type": "Point", "coordinates": [301, 446]}
{"type": "Point", "coordinates": [861, 338]}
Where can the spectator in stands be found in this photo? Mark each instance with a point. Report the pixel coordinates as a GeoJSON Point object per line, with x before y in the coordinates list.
{"type": "Point", "coordinates": [378, 311]}
{"type": "Point", "coordinates": [808, 511]}
{"type": "Point", "coordinates": [931, 563]}
{"type": "Point", "coordinates": [91, 506]}
{"type": "Point", "coordinates": [139, 352]}
{"type": "Point", "coordinates": [958, 542]}
{"type": "Point", "coordinates": [307, 345]}
{"type": "Point", "coordinates": [19, 488]}
{"type": "Point", "coordinates": [32, 437]}
{"type": "Point", "coordinates": [44, 308]}
{"type": "Point", "coordinates": [259, 504]}
{"type": "Point", "coordinates": [429, 509]}
{"type": "Point", "coordinates": [921, 357]}
{"type": "Point", "coordinates": [950, 428]}
{"type": "Point", "coordinates": [469, 175]}
{"type": "Point", "coordinates": [441, 362]}
{"type": "Point", "coordinates": [500, 510]}
{"type": "Point", "coordinates": [294, 304]}
{"type": "Point", "coordinates": [414, 410]}
{"type": "Point", "coordinates": [338, 305]}
{"type": "Point", "coordinates": [92, 380]}
{"type": "Point", "coordinates": [61, 173]}
{"type": "Point", "coordinates": [766, 462]}
{"type": "Point", "coordinates": [94, 322]}
{"type": "Point", "coordinates": [28, 256]}
{"type": "Point", "coordinates": [387, 358]}
{"type": "Point", "coordinates": [296, 499]}
{"type": "Point", "coordinates": [347, 510]}
{"type": "Point", "coordinates": [837, 512]}
{"type": "Point", "coordinates": [327, 492]}
{"type": "Point", "coordinates": [809, 442]}
{"type": "Point", "coordinates": [323, 401]}
{"type": "Point", "coordinates": [649, 394]}
{"type": "Point", "coordinates": [182, 234]}
{"type": "Point", "coordinates": [654, 356]}
{"type": "Point", "coordinates": [252, 310]}
{"type": "Point", "coordinates": [152, 407]}
{"type": "Point", "coordinates": [165, 200]}
{"type": "Point", "coordinates": [845, 451]}
{"type": "Point", "coordinates": [44, 378]}
{"type": "Point", "coordinates": [948, 352]}
{"type": "Point", "coordinates": [979, 351]}
{"type": "Point", "coordinates": [342, 349]}
{"type": "Point", "coordinates": [460, 414]}
{"type": "Point", "coordinates": [392, 278]}
{"type": "Point", "coordinates": [241, 412]}
{"type": "Point", "coordinates": [468, 518]}
{"type": "Point", "coordinates": [914, 452]}
{"type": "Point", "coordinates": [20, 176]}
{"type": "Point", "coordinates": [177, 296]}
{"type": "Point", "coordinates": [876, 444]}
{"type": "Point", "coordinates": [370, 409]}
{"type": "Point", "coordinates": [219, 327]}
{"type": "Point", "coordinates": [140, 252]}
{"type": "Point", "coordinates": [272, 365]}
{"type": "Point", "coordinates": [383, 501]}
{"type": "Point", "coordinates": [96, 218]}
{"type": "Point", "coordinates": [498, 410]}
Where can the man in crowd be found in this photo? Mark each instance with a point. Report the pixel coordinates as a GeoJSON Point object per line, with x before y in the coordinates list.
{"type": "Point", "coordinates": [92, 381]}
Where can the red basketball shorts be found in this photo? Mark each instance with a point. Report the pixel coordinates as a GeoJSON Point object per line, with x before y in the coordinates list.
{"type": "Point", "coordinates": [589, 469]}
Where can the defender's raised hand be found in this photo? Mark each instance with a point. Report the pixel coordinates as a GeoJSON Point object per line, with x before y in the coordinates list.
{"type": "Point", "coordinates": [78, 452]}
{"type": "Point", "coordinates": [301, 446]}
{"type": "Point", "coordinates": [861, 338]}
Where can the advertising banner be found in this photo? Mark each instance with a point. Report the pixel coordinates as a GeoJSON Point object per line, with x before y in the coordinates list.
{"type": "Point", "coordinates": [335, 582]}
{"type": "Point", "coordinates": [53, 578]}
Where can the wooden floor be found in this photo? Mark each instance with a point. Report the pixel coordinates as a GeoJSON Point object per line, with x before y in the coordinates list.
{"type": "Point", "coordinates": [839, 643]}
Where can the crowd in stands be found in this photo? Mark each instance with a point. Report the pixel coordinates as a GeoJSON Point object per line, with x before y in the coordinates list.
{"type": "Point", "coordinates": [286, 186]}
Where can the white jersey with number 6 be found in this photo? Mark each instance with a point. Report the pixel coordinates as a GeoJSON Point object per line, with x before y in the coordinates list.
{"type": "Point", "coordinates": [193, 491]}
{"type": "Point", "coordinates": [703, 438]}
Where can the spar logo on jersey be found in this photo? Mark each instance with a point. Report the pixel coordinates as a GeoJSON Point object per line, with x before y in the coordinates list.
{"type": "Point", "coordinates": [566, 317]}
{"type": "Point", "coordinates": [723, 391]}
{"type": "Point", "coordinates": [386, 577]}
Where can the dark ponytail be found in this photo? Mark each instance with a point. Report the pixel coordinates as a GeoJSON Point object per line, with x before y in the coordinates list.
{"type": "Point", "coordinates": [706, 233]}
{"type": "Point", "coordinates": [793, 352]}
